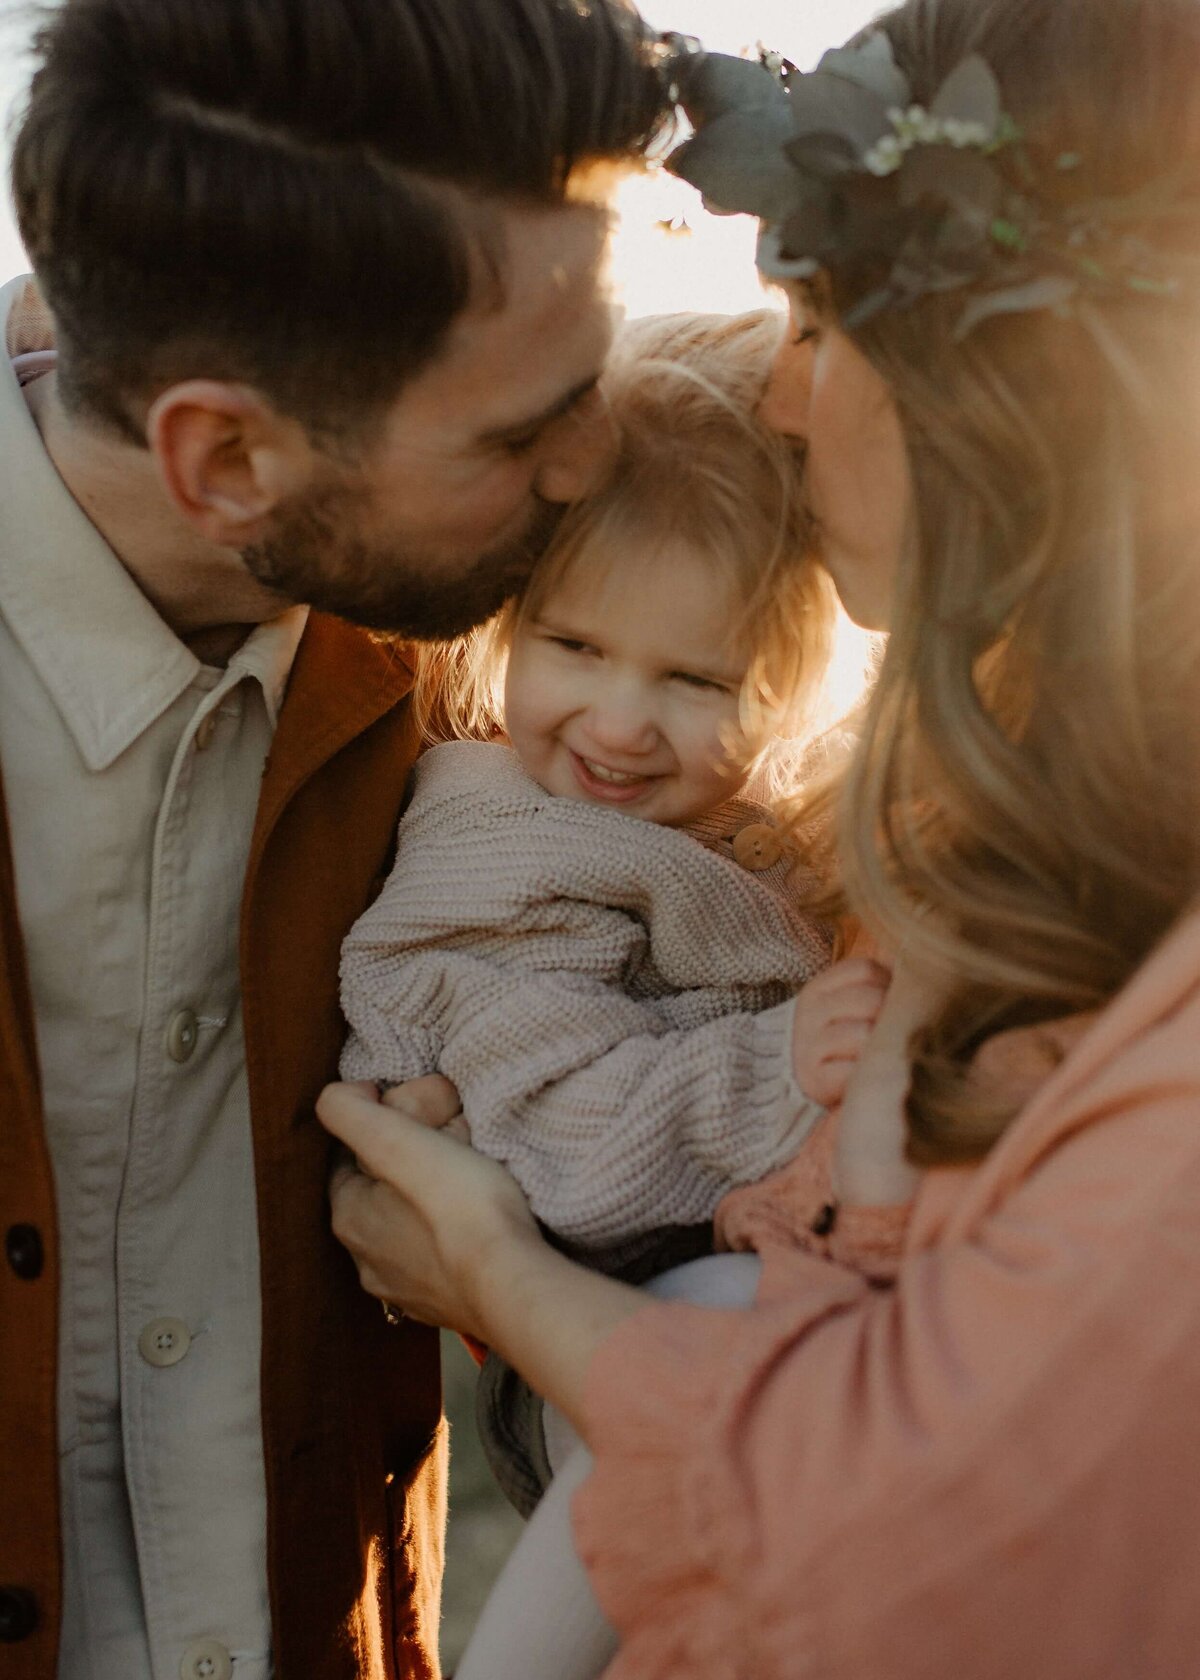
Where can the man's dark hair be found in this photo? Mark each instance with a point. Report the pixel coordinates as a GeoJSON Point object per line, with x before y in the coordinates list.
{"type": "Point", "coordinates": [279, 191]}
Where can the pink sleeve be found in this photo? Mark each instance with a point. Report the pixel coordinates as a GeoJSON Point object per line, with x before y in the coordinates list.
{"type": "Point", "coordinates": [796, 1208]}
{"type": "Point", "coordinates": [990, 1469]}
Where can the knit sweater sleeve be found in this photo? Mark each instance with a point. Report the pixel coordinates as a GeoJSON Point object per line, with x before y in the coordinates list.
{"type": "Point", "coordinates": [477, 962]}
{"type": "Point", "coordinates": [645, 1127]}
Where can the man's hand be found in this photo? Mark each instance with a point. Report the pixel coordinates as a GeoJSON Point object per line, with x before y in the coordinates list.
{"type": "Point", "coordinates": [834, 1015]}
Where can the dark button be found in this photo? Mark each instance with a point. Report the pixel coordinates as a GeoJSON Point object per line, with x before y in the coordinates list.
{"type": "Point", "coordinates": [825, 1221]}
{"type": "Point", "coordinates": [18, 1614]}
{"type": "Point", "coordinates": [23, 1245]}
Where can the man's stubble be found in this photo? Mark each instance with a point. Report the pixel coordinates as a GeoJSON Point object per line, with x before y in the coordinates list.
{"type": "Point", "coordinates": [315, 553]}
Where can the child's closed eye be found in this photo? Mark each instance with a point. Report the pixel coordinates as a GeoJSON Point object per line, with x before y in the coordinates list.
{"type": "Point", "coordinates": [693, 679]}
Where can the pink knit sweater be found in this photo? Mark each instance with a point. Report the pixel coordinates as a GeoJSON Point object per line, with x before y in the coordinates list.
{"type": "Point", "coordinates": [612, 998]}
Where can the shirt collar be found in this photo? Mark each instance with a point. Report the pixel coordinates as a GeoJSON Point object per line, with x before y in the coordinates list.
{"type": "Point", "coordinates": [267, 654]}
{"type": "Point", "coordinates": [111, 665]}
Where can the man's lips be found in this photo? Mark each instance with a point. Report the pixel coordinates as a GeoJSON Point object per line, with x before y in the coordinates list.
{"type": "Point", "coordinates": [601, 781]}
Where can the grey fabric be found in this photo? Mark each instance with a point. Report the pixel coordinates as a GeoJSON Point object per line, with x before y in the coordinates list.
{"type": "Point", "coordinates": [508, 1414]}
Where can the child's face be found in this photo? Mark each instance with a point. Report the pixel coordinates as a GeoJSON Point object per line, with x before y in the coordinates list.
{"type": "Point", "coordinates": [623, 687]}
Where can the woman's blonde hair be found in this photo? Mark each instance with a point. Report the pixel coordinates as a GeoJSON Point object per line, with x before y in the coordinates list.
{"type": "Point", "coordinates": [1024, 809]}
{"type": "Point", "coordinates": [693, 465]}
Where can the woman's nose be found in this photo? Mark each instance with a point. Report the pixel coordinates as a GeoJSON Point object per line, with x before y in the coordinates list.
{"type": "Point", "coordinates": [784, 404]}
{"type": "Point", "coordinates": [576, 450]}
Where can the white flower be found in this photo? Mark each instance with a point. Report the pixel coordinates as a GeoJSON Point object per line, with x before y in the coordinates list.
{"type": "Point", "coordinates": [885, 156]}
{"type": "Point", "coordinates": [959, 132]}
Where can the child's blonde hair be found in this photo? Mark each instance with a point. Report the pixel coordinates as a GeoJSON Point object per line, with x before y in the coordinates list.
{"type": "Point", "coordinates": [693, 465]}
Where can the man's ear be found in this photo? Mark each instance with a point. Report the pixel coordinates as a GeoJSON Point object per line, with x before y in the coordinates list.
{"type": "Point", "coordinates": [227, 457]}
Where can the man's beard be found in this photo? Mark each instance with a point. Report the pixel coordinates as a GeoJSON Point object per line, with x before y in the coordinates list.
{"type": "Point", "coordinates": [315, 554]}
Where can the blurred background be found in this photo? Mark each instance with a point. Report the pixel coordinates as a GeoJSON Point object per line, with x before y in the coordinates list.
{"type": "Point", "coordinates": [668, 254]}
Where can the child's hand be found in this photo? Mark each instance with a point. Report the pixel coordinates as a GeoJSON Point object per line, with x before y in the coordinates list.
{"type": "Point", "coordinates": [432, 1101]}
{"type": "Point", "coordinates": [834, 1016]}
{"type": "Point", "coordinates": [871, 1168]}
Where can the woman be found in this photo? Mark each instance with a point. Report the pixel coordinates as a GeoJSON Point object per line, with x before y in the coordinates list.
{"type": "Point", "coordinates": [989, 215]}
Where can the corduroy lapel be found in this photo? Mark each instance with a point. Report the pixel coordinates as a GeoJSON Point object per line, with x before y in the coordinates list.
{"type": "Point", "coordinates": [342, 681]}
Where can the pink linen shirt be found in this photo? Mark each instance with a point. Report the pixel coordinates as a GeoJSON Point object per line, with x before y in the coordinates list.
{"type": "Point", "coordinates": [990, 1468]}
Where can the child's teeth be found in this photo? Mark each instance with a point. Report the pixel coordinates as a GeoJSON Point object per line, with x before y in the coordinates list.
{"type": "Point", "coordinates": [603, 775]}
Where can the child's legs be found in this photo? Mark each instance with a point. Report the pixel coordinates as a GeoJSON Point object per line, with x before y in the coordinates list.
{"type": "Point", "coordinates": [717, 1280]}
{"type": "Point", "coordinates": [542, 1621]}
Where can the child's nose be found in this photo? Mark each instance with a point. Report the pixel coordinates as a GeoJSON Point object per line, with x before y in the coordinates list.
{"type": "Point", "coordinates": [622, 723]}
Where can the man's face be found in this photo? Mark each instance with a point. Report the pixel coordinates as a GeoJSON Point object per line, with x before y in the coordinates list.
{"type": "Point", "coordinates": [456, 498]}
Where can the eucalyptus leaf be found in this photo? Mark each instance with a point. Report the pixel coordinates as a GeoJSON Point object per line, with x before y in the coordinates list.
{"type": "Point", "coordinates": [872, 66]}
{"type": "Point", "coordinates": [721, 84]}
{"type": "Point", "coordinates": [970, 93]}
{"type": "Point", "coordinates": [738, 163]}
{"type": "Point", "coordinates": [1047, 291]}
{"type": "Point", "coordinates": [822, 156]}
{"type": "Point", "coordinates": [829, 104]}
{"type": "Point", "coordinates": [960, 177]}
{"type": "Point", "coordinates": [774, 265]}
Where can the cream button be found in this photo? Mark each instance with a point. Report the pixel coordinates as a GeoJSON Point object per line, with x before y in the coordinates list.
{"type": "Point", "coordinates": [757, 847]}
{"type": "Point", "coordinates": [183, 1029]}
{"type": "Point", "coordinates": [164, 1341]}
{"type": "Point", "coordinates": [207, 1659]}
{"type": "Point", "coordinates": [205, 731]}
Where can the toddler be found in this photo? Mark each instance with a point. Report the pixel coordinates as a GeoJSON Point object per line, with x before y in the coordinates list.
{"type": "Point", "coordinates": [594, 927]}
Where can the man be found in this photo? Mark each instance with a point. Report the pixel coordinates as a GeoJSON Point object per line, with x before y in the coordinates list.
{"type": "Point", "coordinates": [325, 278]}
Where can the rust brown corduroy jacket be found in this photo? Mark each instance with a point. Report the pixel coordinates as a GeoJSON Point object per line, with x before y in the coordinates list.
{"type": "Point", "coordinates": [351, 1407]}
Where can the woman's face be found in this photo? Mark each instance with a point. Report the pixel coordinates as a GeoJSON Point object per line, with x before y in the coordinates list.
{"type": "Point", "coordinates": [824, 392]}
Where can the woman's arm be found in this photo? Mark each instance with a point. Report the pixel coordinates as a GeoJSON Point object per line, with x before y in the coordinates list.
{"type": "Point", "coordinates": [447, 1234]}
{"type": "Point", "coordinates": [984, 1470]}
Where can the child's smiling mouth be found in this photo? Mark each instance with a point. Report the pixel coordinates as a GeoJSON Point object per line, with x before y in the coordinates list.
{"type": "Point", "coordinates": [603, 782]}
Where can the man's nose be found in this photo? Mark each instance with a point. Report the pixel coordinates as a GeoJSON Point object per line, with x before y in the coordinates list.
{"type": "Point", "coordinates": [784, 404]}
{"type": "Point", "coordinates": [577, 451]}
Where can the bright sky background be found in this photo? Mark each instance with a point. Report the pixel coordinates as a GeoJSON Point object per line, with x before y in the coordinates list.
{"type": "Point", "coordinates": [709, 268]}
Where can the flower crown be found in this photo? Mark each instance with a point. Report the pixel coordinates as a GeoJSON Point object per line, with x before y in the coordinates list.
{"type": "Point", "coordinates": [848, 174]}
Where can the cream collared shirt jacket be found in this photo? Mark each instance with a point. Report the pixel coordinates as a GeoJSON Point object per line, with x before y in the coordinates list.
{"type": "Point", "coordinates": [133, 773]}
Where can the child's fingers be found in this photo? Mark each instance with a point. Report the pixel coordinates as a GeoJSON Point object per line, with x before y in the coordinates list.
{"type": "Point", "coordinates": [856, 970]}
{"type": "Point", "coordinates": [855, 1003]}
{"type": "Point", "coordinates": [843, 1040]}
{"type": "Point", "coordinates": [431, 1100]}
{"type": "Point", "coordinates": [829, 1082]}
{"type": "Point", "coordinates": [386, 1144]}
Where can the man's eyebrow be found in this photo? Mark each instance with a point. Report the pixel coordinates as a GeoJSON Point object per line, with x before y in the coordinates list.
{"type": "Point", "coordinates": [534, 422]}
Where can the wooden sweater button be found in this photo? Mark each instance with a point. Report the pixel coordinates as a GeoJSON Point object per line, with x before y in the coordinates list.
{"type": "Point", "coordinates": [757, 847]}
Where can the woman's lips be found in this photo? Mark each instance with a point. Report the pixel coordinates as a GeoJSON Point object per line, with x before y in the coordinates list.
{"type": "Point", "coordinates": [614, 787]}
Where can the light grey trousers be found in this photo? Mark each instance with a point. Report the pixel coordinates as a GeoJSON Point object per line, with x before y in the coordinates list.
{"type": "Point", "coordinates": [542, 1621]}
